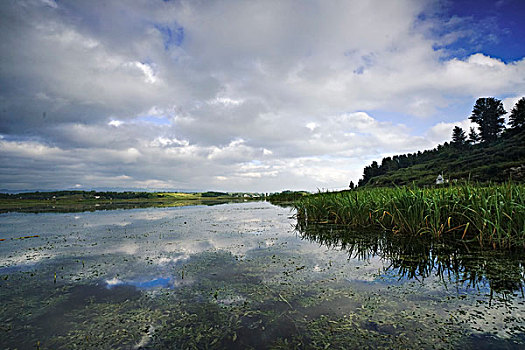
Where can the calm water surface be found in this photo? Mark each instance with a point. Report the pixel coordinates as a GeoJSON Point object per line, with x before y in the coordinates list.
{"type": "Point", "coordinates": [240, 276]}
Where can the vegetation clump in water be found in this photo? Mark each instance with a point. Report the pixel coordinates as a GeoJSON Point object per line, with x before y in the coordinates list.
{"type": "Point", "coordinates": [492, 215]}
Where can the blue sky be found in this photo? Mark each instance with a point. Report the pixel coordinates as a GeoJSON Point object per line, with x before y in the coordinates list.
{"type": "Point", "coordinates": [171, 35]}
{"type": "Point", "coordinates": [497, 26]}
{"type": "Point", "coordinates": [241, 95]}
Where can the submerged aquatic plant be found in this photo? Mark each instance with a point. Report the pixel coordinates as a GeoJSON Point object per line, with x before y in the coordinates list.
{"type": "Point", "coordinates": [493, 215]}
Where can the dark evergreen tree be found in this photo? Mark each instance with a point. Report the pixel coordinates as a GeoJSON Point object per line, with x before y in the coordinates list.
{"type": "Point", "coordinates": [369, 172]}
{"type": "Point", "coordinates": [517, 116]}
{"type": "Point", "coordinates": [375, 168]}
{"type": "Point", "coordinates": [388, 164]}
{"type": "Point", "coordinates": [458, 137]}
{"type": "Point", "coordinates": [352, 186]}
{"type": "Point", "coordinates": [473, 136]}
{"type": "Point", "coordinates": [487, 113]}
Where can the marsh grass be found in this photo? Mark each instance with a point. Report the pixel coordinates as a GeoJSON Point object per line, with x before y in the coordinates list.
{"type": "Point", "coordinates": [492, 215]}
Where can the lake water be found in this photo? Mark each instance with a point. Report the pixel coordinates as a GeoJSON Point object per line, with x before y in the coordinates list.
{"type": "Point", "coordinates": [241, 276]}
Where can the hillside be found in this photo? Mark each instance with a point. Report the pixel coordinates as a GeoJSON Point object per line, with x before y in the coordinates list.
{"type": "Point", "coordinates": [498, 161]}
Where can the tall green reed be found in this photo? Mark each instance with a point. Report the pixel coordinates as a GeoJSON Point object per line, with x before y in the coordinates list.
{"type": "Point", "coordinates": [493, 215]}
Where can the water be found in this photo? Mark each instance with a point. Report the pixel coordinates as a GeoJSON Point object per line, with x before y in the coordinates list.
{"type": "Point", "coordinates": [241, 276]}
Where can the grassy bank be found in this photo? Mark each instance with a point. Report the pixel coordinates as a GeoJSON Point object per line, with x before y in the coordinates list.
{"type": "Point", "coordinates": [492, 215]}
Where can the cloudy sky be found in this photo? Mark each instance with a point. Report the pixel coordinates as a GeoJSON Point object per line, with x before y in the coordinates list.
{"type": "Point", "coordinates": [241, 95]}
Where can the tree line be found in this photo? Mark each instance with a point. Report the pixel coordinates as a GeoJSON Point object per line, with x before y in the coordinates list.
{"type": "Point", "coordinates": [487, 113]}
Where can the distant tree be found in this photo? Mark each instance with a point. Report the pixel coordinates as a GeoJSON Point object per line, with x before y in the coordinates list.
{"type": "Point", "coordinates": [388, 164]}
{"type": "Point", "coordinates": [403, 161]}
{"type": "Point", "coordinates": [517, 116]}
{"type": "Point", "coordinates": [374, 168]}
{"type": "Point", "coordinates": [487, 113]}
{"type": "Point", "coordinates": [458, 137]}
{"type": "Point", "coordinates": [369, 172]}
{"type": "Point", "coordinates": [473, 136]}
{"type": "Point", "coordinates": [352, 186]}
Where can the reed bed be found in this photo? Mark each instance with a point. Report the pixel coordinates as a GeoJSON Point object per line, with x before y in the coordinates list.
{"type": "Point", "coordinates": [493, 215]}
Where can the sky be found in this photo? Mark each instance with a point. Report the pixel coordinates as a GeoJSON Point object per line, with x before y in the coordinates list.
{"type": "Point", "coordinates": [236, 95]}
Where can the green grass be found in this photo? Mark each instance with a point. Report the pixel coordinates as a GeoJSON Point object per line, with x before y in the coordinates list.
{"type": "Point", "coordinates": [492, 215]}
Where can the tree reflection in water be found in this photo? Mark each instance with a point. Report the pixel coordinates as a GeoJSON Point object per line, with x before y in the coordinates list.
{"type": "Point", "coordinates": [456, 263]}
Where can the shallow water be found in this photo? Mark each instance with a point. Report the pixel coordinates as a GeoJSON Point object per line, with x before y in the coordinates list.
{"type": "Point", "coordinates": [241, 276]}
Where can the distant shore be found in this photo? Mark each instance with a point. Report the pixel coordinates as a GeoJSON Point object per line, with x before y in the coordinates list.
{"type": "Point", "coordinates": [75, 201]}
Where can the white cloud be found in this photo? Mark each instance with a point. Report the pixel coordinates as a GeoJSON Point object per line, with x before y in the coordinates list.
{"type": "Point", "coordinates": [225, 101]}
{"type": "Point", "coordinates": [267, 152]}
{"type": "Point", "coordinates": [311, 126]}
{"type": "Point", "coordinates": [149, 74]}
{"type": "Point", "coordinates": [510, 102]}
{"type": "Point", "coordinates": [166, 142]}
{"type": "Point", "coordinates": [116, 123]}
{"type": "Point", "coordinates": [442, 132]}
{"type": "Point", "coordinates": [482, 60]}
{"type": "Point", "coordinates": [260, 95]}
{"type": "Point", "coordinates": [338, 151]}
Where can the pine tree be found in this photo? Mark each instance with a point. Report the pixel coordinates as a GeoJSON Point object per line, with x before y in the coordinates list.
{"type": "Point", "coordinates": [458, 137]}
{"type": "Point", "coordinates": [487, 113]}
{"type": "Point", "coordinates": [473, 136]}
{"type": "Point", "coordinates": [517, 116]}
